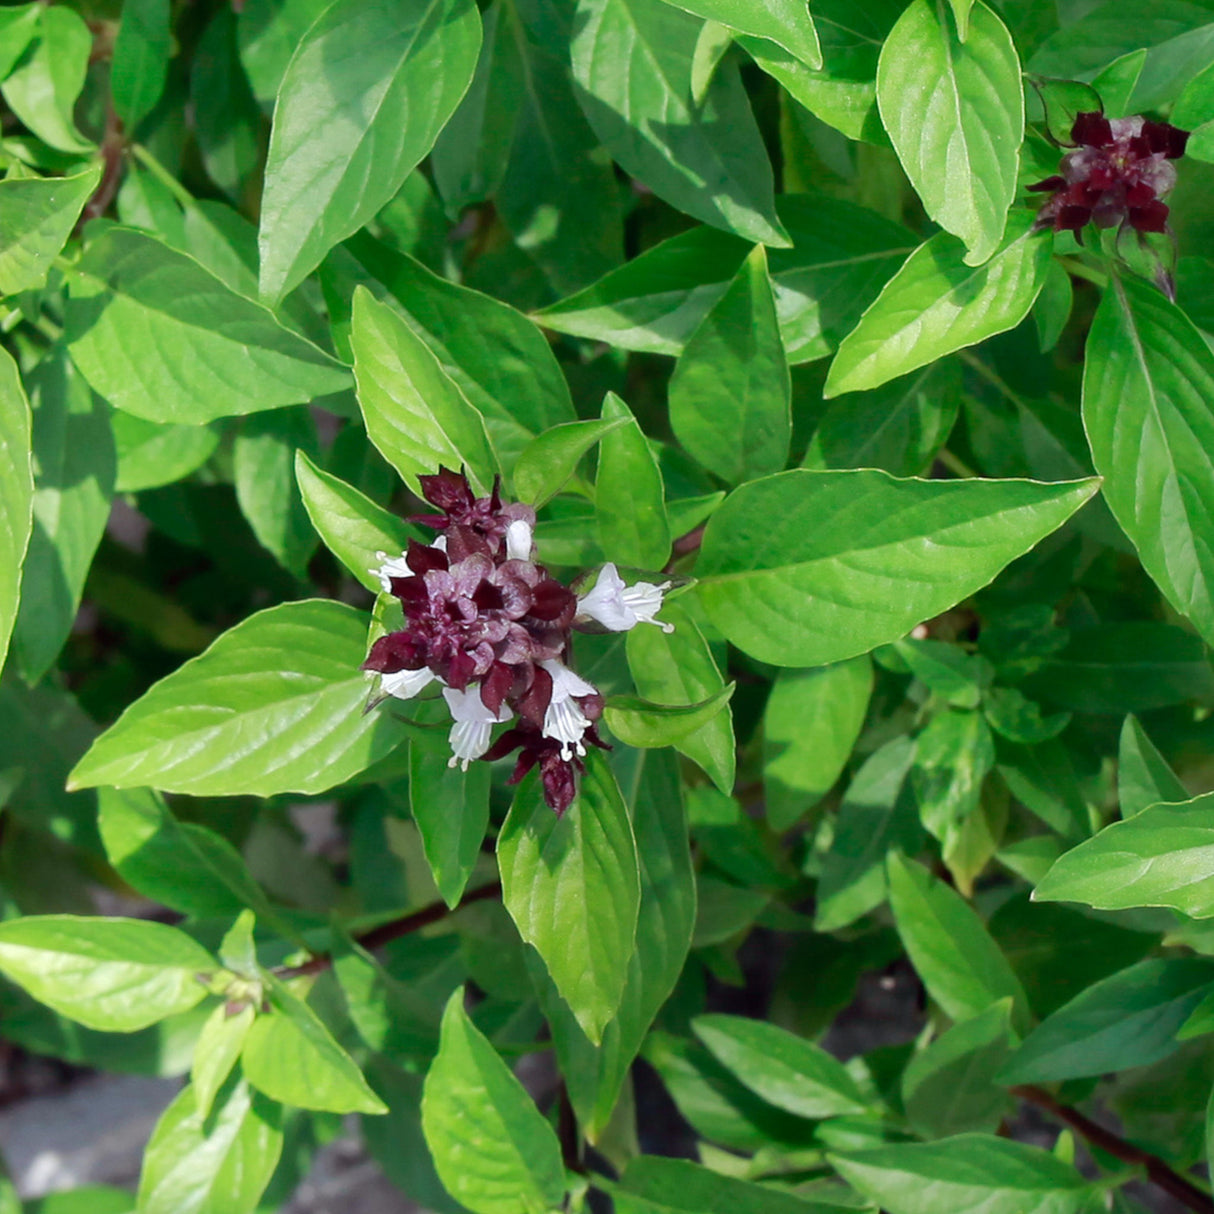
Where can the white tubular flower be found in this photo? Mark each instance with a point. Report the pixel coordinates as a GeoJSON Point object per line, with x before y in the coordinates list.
{"type": "Point", "coordinates": [564, 720]}
{"type": "Point", "coordinates": [473, 724]}
{"type": "Point", "coordinates": [397, 566]}
{"type": "Point", "coordinates": [618, 607]}
{"type": "Point", "coordinates": [518, 540]}
{"type": "Point", "coordinates": [390, 567]}
{"type": "Point", "coordinates": [405, 684]}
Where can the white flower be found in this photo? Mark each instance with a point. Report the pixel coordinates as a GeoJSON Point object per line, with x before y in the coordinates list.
{"type": "Point", "coordinates": [618, 607]}
{"type": "Point", "coordinates": [397, 566]}
{"type": "Point", "coordinates": [405, 684]}
{"type": "Point", "coordinates": [564, 721]}
{"type": "Point", "coordinates": [473, 723]}
{"type": "Point", "coordinates": [518, 540]}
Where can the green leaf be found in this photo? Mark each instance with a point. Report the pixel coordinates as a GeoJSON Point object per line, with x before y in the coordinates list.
{"type": "Point", "coordinates": [1159, 857]}
{"type": "Point", "coordinates": [785, 1070]}
{"type": "Point", "coordinates": [1015, 717]}
{"type": "Point", "coordinates": [263, 469]}
{"type": "Point", "coordinates": [180, 864]}
{"type": "Point", "coordinates": [363, 99]}
{"type": "Point", "coordinates": [595, 1074]}
{"type": "Point", "coordinates": [141, 59]}
{"type": "Point", "coordinates": [897, 427]}
{"type": "Point", "coordinates": [16, 493]}
{"type": "Point", "coordinates": [559, 197]}
{"type": "Point", "coordinates": [151, 455]}
{"type": "Point", "coordinates": [74, 480]}
{"type": "Point", "coordinates": [116, 975]}
{"type": "Point", "coordinates": [948, 1087]}
{"type": "Point", "coordinates": [1143, 775]}
{"type": "Point", "coordinates": [844, 93]}
{"type": "Point", "coordinates": [227, 120]}
{"type": "Point", "coordinates": [269, 32]}
{"type": "Point", "coordinates": [652, 1184]}
{"type": "Point", "coordinates": [471, 153]}
{"type": "Point", "coordinates": [217, 1052]}
{"type": "Point", "coordinates": [18, 28]}
{"type": "Point", "coordinates": [451, 809]}
{"type": "Point", "coordinates": [491, 1146]}
{"type": "Point", "coordinates": [629, 499]}
{"type": "Point", "coordinates": [1126, 1020]}
{"type": "Point", "coordinates": [633, 61]}
{"type": "Point", "coordinates": [842, 255]}
{"type": "Point", "coordinates": [730, 392]}
{"type": "Point", "coordinates": [501, 362]}
{"type": "Point", "coordinates": [290, 1056]}
{"type": "Point", "coordinates": [678, 668]}
{"type": "Point", "coordinates": [638, 722]}
{"type": "Point", "coordinates": [37, 215]}
{"type": "Point", "coordinates": [954, 108]}
{"type": "Point", "coordinates": [158, 335]}
{"type": "Point", "coordinates": [810, 724]}
{"type": "Point", "coordinates": [1147, 386]}
{"type": "Point", "coordinates": [43, 87]}
{"type": "Point", "coordinates": [351, 525]}
{"type": "Point", "coordinates": [274, 705]}
{"type": "Point", "coordinates": [797, 569]}
{"type": "Point", "coordinates": [936, 304]}
{"type": "Point", "coordinates": [877, 814]}
{"type": "Point", "coordinates": [571, 886]}
{"type": "Point", "coordinates": [784, 22]}
{"type": "Point", "coordinates": [946, 670]}
{"type": "Point", "coordinates": [949, 945]}
{"type": "Point", "coordinates": [198, 1162]}
{"type": "Point", "coordinates": [953, 754]}
{"type": "Point", "coordinates": [550, 459]}
{"type": "Point", "coordinates": [967, 1174]}
{"type": "Point", "coordinates": [415, 413]}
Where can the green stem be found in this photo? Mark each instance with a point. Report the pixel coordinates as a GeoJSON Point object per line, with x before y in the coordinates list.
{"type": "Point", "coordinates": [162, 174]}
{"type": "Point", "coordinates": [957, 466]}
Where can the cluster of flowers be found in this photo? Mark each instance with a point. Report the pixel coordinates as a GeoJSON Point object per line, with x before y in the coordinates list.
{"type": "Point", "coordinates": [488, 623]}
{"type": "Point", "coordinates": [1116, 174]}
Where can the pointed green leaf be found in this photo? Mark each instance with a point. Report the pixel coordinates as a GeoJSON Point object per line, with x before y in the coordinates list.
{"type": "Point", "coordinates": [551, 458]}
{"type": "Point", "coordinates": [1147, 386]}
{"type": "Point", "coordinates": [936, 304]}
{"type": "Point", "coordinates": [351, 525]}
{"type": "Point", "coordinates": [274, 705]}
{"type": "Point", "coordinates": [217, 1052]}
{"type": "Point", "coordinates": [451, 809]}
{"type": "Point", "coordinates": [629, 498]}
{"type": "Point", "coordinates": [415, 413]}
{"type": "Point", "coordinates": [810, 724]}
{"type": "Point", "coordinates": [117, 975]}
{"type": "Point", "coordinates": [954, 108]}
{"type": "Point", "coordinates": [1143, 775]}
{"type": "Point", "coordinates": [16, 493]}
{"type": "Point", "coordinates": [74, 467]}
{"type": "Point", "coordinates": [37, 215]}
{"type": "Point", "coordinates": [787, 23]}
{"type": "Point", "coordinates": [491, 1146]}
{"type": "Point", "coordinates": [362, 101]}
{"type": "Point", "coordinates": [786, 1070]}
{"type": "Point", "coordinates": [141, 59]}
{"type": "Point", "coordinates": [678, 667]}
{"type": "Point", "coordinates": [730, 392]}
{"type": "Point", "coordinates": [44, 85]}
{"type": "Point", "coordinates": [967, 1174]}
{"type": "Point", "coordinates": [638, 722]}
{"type": "Point", "coordinates": [1126, 1020]}
{"type": "Point", "coordinates": [949, 945]}
{"type": "Point", "coordinates": [1160, 857]}
{"type": "Point", "coordinates": [842, 255]}
{"type": "Point", "coordinates": [291, 1056]}
{"type": "Point", "coordinates": [798, 569]}
{"type": "Point", "coordinates": [572, 887]}
{"type": "Point", "coordinates": [160, 336]}
{"type": "Point", "coordinates": [633, 60]}
{"type": "Point", "coordinates": [151, 455]}
{"type": "Point", "coordinates": [199, 1161]}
